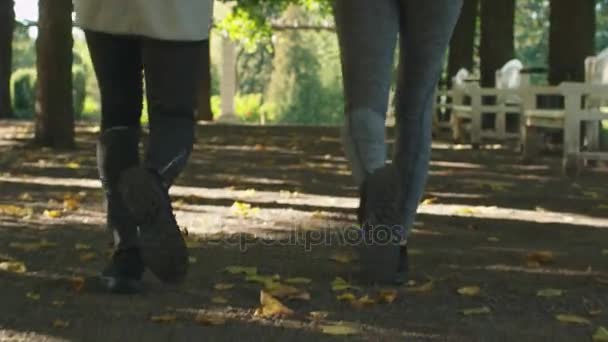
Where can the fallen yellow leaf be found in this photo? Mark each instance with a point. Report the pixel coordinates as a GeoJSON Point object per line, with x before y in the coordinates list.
{"type": "Point", "coordinates": [340, 329]}
{"type": "Point", "coordinates": [73, 165]}
{"type": "Point", "coordinates": [318, 315]}
{"type": "Point", "coordinates": [466, 211]}
{"type": "Point", "coordinates": [13, 266]}
{"type": "Point", "coordinates": [82, 247]}
{"type": "Point", "coordinates": [86, 257]}
{"type": "Point", "coordinates": [427, 287]}
{"type": "Point", "coordinates": [596, 312]}
{"type": "Point", "coordinates": [340, 284]}
{"type": "Point", "coordinates": [32, 246]}
{"type": "Point", "coordinates": [346, 297]}
{"type": "Point", "coordinates": [541, 257]}
{"type": "Point", "coordinates": [493, 239]}
{"type": "Point", "coordinates": [243, 209]}
{"type": "Point", "coordinates": [15, 211]}
{"type": "Point", "coordinates": [469, 291]}
{"type": "Point", "coordinates": [388, 296]}
{"type": "Point", "coordinates": [549, 293]}
{"type": "Point", "coordinates": [164, 318]}
{"type": "Point", "coordinates": [298, 281]}
{"type": "Point", "coordinates": [271, 307]}
{"type": "Point", "coordinates": [71, 204]}
{"type": "Point", "coordinates": [209, 319]}
{"type": "Point", "coordinates": [53, 213]}
{"type": "Point", "coordinates": [242, 270]}
{"type": "Point", "coordinates": [476, 311]}
{"type": "Point", "coordinates": [33, 296]}
{"type": "Point", "coordinates": [430, 201]}
{"type": "Point", "coordinates": [279, 290]}
{"type": "Point", "coordinates": [223, 286]}
{"type": "Point", "coordinates": [60, 324]}
{"type": "Point", "coordinates": [219, 300]}
{"type": "Point", "coordinates": [342, 257]}
{"type": "Point", "coordinates": [25, 197]}
{"type": "Point", "coordinates": [77, 284]}
{"type": "Point", "coordinates": [573, 319]}
{"type": "Point", "coordinates": [363, 302]}
{"type": "Point", "coordinates": [601, 335]}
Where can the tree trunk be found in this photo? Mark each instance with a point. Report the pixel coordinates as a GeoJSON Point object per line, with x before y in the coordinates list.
{"type": "Point", "coordinates": [462, 45]}
{"type": "Point", "coordinates": [497, 37]}
{"type": "Point", "coordinates": [54, 110]}
{"type": "Point", "coordinates": [571, 39]}
{"type": "Point", "coordinates": [7, 25]}
{"type": "Point", "coordinates": [204, 112]}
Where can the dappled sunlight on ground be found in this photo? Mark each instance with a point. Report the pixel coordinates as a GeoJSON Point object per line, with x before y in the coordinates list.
{"type": "Point", "coordinates": [281, 200]}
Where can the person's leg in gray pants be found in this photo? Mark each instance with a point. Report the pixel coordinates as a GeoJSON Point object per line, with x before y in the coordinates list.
{"type": "Point", "coordinates": [368, 32]}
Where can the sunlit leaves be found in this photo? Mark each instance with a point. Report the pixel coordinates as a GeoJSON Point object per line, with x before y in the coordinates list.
{"type": "Point", "coordinates": [548, 293]}
{"type": "Point", "coordinates": [340, 329]}
{"type": "Point", "coordinates": [15, 211]}
{"type": "Point", "coordinates": [271, 307]}
{"type": "Point", "coordinates": [13, 266]}
{"type": "Point", "coordinates": [572, 319]}
{"type": "Point", "coordinates": [469, 291]}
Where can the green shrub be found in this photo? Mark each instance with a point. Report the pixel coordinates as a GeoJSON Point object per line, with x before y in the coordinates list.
{"type": "Point", "coordinates": [79, 91]}
{"type": "Point", "coordinates": [248, 107]}
{"type": "Point", "coordinates": [23, 92]}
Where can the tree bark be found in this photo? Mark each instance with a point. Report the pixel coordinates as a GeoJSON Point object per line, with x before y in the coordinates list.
{"type": "Point", "coordinates": [571, 39]}
{"type": "Point", "coordinates": [204, 112]}
{"type": "Point", "coordinates": [54, 110]}
{"type": "Point", "coordinates": [462, 45]}
{"type": "Point", "coordinates": [497, 37]}
{"type": "Point", "coordinates": [7, 25]}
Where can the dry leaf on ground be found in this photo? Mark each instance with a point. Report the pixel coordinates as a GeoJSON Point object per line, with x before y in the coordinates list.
{"type": "Point", "coordinates": [572, 319]}
{"type": "Point", "coordinates": [223, 286]}
{"type": "Point", "coordinates": [427, 287]}
{"type": "Point", "coordinates": [13, 266]}
{"type": "Point", "coordinates": [58, 323]}
{"type": "Point", "coordinates": [550, 293]}
{"type": "Point", "coordinates": [246, 270]}
{"type": "Point", "coordinates": [340, 329]}
{"type": "Point", "coordinates": [476, 311]}
{"type": "Point", "coordinates": [601, 335]}
{"type": "Point", "coordinates": [541, 257]}
{"type": "Point", "coordinates": [469, 291]}
{"type": "Point", "coordinates": [209, 319]}
{"type": "Point", "coordinates": [164, 318]}
{"type": "Point", "coordinates": [271, 307]}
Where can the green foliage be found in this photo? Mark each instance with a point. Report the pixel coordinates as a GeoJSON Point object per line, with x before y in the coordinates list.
{"type": "Point", "coordinates": [249, 107]}
{"type": "Point", "coordinates": [23, 92]}
{"type": "Point", "coordinates": [297, 93]}
{"type": "Point", "coordinates": [79, 83]}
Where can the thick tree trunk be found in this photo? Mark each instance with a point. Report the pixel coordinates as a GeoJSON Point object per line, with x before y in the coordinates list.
{"type": "Point", "coordinates": [204, 102]}
{"type": "Point", "coordinates": [7, 25]}
{"type": "Point", "coordinates": [462, 45]}
{"type": "Point", "coordinates": [497, 37]}
{"type": "Point", "coordinates": [571, 39]}
{"type": "Point", "coordinates": [54, 110]}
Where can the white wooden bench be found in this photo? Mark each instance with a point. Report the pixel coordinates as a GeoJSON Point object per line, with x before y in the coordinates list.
{"type": "Point", "coordinates": [501, 102]}
{"type": "Point", "coordinates": [581, 114]}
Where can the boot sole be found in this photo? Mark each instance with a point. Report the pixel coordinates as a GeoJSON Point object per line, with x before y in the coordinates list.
{"type": "Point", "coordinates": [162, 246]}
{"type": "Point", "coordinates": [378, 263]}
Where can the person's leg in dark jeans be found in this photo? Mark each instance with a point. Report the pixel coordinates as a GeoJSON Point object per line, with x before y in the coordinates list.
{"type": "Point", "coordinates": [139, 207]}
{"type": "Point", "coordinates": [118, 65]}
{"type": "Point", "coordinates": [172, 74]}
{"type": "Point", "coordinates": [389, 194]}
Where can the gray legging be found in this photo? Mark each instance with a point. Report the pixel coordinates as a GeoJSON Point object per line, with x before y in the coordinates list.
{"type": "Point", "coordinates": [368, 31]}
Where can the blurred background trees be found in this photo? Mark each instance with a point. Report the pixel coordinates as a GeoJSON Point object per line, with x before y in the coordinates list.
{"type": "Point", "coordinates": [288, 60]}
